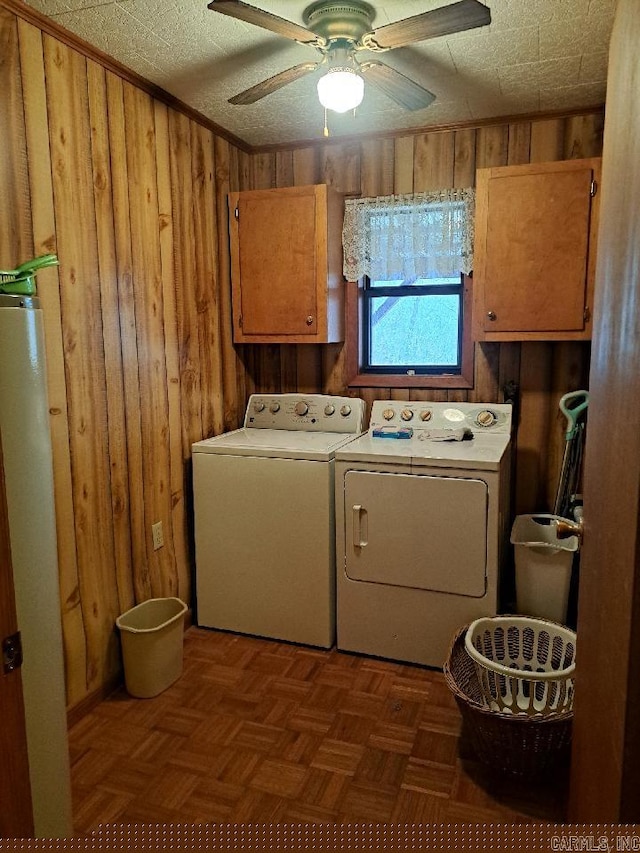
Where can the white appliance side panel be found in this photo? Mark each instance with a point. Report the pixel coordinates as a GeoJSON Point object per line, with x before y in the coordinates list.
{"type": "Point", "coordinates": [24, 422]}
{"type": "Point", "coordinates": [265, 547]}
{"type": "Point", "coordinates": [418, 531]}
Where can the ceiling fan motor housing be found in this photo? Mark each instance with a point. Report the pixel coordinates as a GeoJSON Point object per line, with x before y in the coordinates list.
{"type": "Point", "coordinates": [339, 21]}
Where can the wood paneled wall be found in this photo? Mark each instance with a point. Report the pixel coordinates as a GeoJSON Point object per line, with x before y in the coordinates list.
{"type": "Point", "coordinates": [131, 194]}
{"type": "Point", "coordinates": [132, 197]}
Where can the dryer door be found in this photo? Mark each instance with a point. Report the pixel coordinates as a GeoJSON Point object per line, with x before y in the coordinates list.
{"type": "Point", "coordinates": [418, 531]}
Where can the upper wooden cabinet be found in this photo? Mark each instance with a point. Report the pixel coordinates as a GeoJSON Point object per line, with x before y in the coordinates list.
{"type": "Point", "coordinates": [535, 251]}
{"type": "Point", "coordinates": [286, 265]}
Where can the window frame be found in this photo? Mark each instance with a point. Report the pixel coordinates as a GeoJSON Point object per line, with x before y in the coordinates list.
{"type": "Point", "coordinates": [378, 290]}
{"type": "Point", "coordinates": [354, 333]}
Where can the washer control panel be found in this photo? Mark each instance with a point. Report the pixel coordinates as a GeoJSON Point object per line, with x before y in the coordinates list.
{"type": "Point", "coordinates": [305, 412]}
{"type": "Point", "coordinates": [428, 416]}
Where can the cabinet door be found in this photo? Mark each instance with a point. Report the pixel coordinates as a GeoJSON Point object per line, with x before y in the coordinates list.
{"type": "Point", "coordinates": [277, 263]}
{"type": "Point", "coordinates": [535, 251]}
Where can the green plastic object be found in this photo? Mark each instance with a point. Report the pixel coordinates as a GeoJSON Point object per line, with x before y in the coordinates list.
{"type": "Point", "coordinates": [22, 280]}
{"type": "Point", "coordinates": [572, 405]}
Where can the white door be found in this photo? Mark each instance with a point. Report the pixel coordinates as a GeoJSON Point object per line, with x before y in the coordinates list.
{"type": "Point", "coordinates": [418, 531]}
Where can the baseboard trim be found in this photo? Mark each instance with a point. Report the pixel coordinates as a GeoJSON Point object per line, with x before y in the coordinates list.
{"type": "Point", "coordinates": [91, 700]}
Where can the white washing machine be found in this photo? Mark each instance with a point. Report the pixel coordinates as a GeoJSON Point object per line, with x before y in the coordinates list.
{"type": "Point", "coordinates": [421, 526]}
{"type": "Point", "coordinates": [265, 518]}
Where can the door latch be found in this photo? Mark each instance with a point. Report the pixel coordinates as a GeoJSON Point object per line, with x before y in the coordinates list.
{"type": "Point", "coordinates": [11, 653]}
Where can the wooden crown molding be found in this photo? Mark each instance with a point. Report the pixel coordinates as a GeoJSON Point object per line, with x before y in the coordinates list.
{"type": "Point", "coordinates": [471, 124]}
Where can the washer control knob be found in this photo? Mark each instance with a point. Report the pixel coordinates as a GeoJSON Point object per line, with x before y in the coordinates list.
{"type": "Point", "coordinates": [258, 406]}
{"type": "Point", "coordinates": [301, 408]}
{"type": "Point", "coordinates": [485, 418]}
{"type": "Point", "coordinates": [329, 409]}
{"type": "Point", "coordinates": [388, 414]}
{"type": "Point", "coordinates": [425, 415]}
{"type": "Point", "coordinates": [345, 411]}
{"type": "Point", "coordinates": [406, 414]}
{"type": "Point", "coordinates": [274, 407]}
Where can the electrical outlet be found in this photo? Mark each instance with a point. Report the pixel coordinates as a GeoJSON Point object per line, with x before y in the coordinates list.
{"type": "Point", "coordinates": [158, 536]}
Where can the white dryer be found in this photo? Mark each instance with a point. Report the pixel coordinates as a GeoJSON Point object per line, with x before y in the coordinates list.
{"type": "Point", "coordinates": [265, 518]}
{"type": "Point", "coordinates": [422, 502]}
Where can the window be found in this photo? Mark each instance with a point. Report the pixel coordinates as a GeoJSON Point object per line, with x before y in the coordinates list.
{"type": "Point", "coordinates": [408, 300]}
{"type": "Point", "coordinates": [412, 328]}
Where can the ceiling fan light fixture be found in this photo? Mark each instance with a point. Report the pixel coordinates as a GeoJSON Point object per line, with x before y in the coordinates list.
{"type": "Point", "coordinates": [341, 89]}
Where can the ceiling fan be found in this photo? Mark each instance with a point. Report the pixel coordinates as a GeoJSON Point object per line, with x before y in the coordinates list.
{"type": "Point", "coordinates": [340, 31]}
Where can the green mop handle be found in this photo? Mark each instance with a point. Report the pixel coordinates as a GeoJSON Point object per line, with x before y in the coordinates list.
{"type": "Point", "coordinates": [572, 405]}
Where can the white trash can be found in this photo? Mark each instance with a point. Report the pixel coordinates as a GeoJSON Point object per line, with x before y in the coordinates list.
{"type": "Point", "coordinates": [152, 639]}
{"type": "Point", "coordinates": [543, 566]}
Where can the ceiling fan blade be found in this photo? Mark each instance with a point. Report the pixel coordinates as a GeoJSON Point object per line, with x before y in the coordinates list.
{"type": "Point", "coordinates": [464, 15]}
{"type": "Point", "coordinates": [272, 84]}
{"type": "Point", "coordinates": [260, 18]}
{"type": "Point", "coordinates": [396, 86]}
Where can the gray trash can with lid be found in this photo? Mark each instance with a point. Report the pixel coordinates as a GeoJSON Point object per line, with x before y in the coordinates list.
{"type": "Point", "coordinates": [543, 566]}
{"type": "Point", "coordinates": [152, 643]}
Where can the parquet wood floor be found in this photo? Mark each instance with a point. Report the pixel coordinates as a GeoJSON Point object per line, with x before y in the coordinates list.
{"type": "Point", "coordinates": [261, 731]}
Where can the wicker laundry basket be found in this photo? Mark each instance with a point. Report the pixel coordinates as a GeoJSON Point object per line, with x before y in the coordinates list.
{"type": "Point", "coordinates": [520, 745]}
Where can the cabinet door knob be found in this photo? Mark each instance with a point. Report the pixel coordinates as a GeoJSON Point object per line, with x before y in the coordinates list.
{"type": "Point", "coordinates": [491, 315]}
{"type": "Point", "coordinates": [309, 320]}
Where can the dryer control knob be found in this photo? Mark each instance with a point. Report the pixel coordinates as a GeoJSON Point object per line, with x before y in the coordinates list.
{"type": "Point", "coordinates": [406, 414]}
{"type": "Point", "coordinates": [425, 415]}
{"type": "Point", "coordinates": [345, 411]}
{"type": "Point", "coordinates": [388, 414]}
{"type": "Point", "coordinates": [329, 410]}
{"type": "Point", "coordinates": [258, 406]}
{"type": "Point", "coordinates": [485, 418]}
{"type": "Point", "coordinates": [301, 408]}
{"type": "Point", "coordinates": [274, 407]}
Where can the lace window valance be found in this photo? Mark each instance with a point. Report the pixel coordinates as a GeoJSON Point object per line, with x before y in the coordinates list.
{"type": "Point", "coordinates": [407, 237]}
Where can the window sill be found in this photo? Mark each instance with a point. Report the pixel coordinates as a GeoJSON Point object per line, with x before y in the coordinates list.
{"type": "Point", "coordinates": [401, 380]}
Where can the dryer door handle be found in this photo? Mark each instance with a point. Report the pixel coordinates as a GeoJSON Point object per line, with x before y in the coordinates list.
{"type": "Point", "coordinates": [359, 526]}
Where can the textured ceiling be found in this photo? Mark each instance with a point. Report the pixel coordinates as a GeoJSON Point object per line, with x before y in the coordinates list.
{"type": "Point", "coordinates": [537, 55]}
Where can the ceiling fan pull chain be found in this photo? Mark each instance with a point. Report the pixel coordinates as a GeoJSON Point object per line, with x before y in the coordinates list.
{"type": "Point", "coordinates": [326, 129]}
